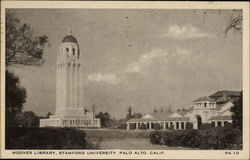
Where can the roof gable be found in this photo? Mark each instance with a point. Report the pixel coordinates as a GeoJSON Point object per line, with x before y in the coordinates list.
{"type": "Point", "coordinates": [147, 116]}
{"type": "Point", "coordinates": [175, 115]}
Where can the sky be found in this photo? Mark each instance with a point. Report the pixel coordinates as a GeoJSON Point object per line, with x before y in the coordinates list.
{"type": "Point", "coordinates": [143, 58]}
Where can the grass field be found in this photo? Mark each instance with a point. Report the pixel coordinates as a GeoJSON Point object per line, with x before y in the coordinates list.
{"type": "Point", "coordinates": [67, 138]}
{"type": "Point", "coordinates": [107, 133]}
{"type": "Point", "coordinates": [124, 139]}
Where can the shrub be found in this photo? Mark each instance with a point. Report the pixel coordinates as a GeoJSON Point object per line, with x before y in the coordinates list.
{"type": "Point", "coordinates": [221, 138]}
{"type": "Point", "coordinates": [206, 125]}
{"type": "Point", "coordinates": [123, 126]}
{"type": "Point", "coordinates": [155, 137]}
{"type": "Point", "coordinates": [45, 138]}
{"type": "Point", "coordinates": [212, 138]}
{"type": "Point", "coordinates": [143, 126]}
{"type": "Point", "coordinates": [157, 126]}
{"type": "Point", "coordinates": [189, 125]}
{"type": "Point", "coordinates": [132, 126]}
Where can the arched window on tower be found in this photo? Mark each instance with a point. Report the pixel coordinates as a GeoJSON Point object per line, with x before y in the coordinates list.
{"type": "Point", "coordinates": [67, 50]}
{"type": "Point", "coordinates": [73, 51]}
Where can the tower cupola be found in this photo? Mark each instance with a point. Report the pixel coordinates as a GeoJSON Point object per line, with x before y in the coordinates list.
{"type": "Point", "coordinates": [69, 37]}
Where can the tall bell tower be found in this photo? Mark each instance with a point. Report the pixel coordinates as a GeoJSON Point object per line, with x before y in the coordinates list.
{"type": "Point", "coordinates": [70, 111]}
{"type": "Point", "coordinates": [68, 88]}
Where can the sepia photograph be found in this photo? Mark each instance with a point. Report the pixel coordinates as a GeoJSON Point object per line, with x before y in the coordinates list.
{"type": "Point", "coordinates": [89, 79]}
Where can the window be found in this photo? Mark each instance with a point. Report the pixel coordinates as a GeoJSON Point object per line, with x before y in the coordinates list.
{"type": "Point", "coordinates": [226, 123]}
{"type": "Point", "coordinates": [64, 122]}
{"type": "Point", "coordinates": [166, 124]}
{"type": "Point", "coordinates": [205, 104]}
{"type": "Point", "coordinates": [73, 51]}
{"type": "Point", "coordinates": [182, 125]}
{"type": "Point", "coordinates": [67, 50]}
{"type": "Point", "coordinates": [177, 125]}
{"type": "Point", "coordinates": [213, 124]}
{"type": "Point", "coordinates": [219, 124]}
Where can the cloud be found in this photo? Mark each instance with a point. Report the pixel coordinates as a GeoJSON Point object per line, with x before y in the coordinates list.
{"type": "Point", "coordinates": [182, 51]}
{"type": "Point", "coordinates": [108, 78]}
{"type": "Point", "coordinates": [147, 60]}
{"type": "Point", "coordinates": [185, 32]}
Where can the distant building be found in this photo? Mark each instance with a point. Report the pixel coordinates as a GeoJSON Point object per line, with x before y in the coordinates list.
{"type": "Point", "coordinates": [69, 109]}
{"type": "Point", "coordinates": [213, 110]}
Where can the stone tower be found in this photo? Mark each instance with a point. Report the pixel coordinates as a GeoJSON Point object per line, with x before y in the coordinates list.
{"type": "Point", "coordinates": [69, 96]}
{"type": "Point", "coordinates": [68, 88]}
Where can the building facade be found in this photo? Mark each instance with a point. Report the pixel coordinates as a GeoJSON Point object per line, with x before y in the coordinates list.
{"type": "Point", "coordinates": [69, 100]}
{"type": "Point", "coordinates": [213, 111]}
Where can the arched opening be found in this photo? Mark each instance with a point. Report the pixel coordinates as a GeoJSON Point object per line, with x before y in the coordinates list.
{"type": "Point", "coordinates": [198, 122]}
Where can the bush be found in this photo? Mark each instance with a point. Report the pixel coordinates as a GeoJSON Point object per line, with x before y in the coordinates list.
{"type": "Point", "coordinates": [157, 126]}
{"type": "Point", "coordinates": [155, 137]}
{"type": "Point", "coordinates": [189, 125]}
{"type": "Point", "coordinates": [132, 126]}
{"type": "Point", "coordinates": [221, 138]}
{"type": "Point", "coordinates": [212, 138]}
{"type": "Point", "coordinates": [123, 126]}
{"type": "Point", "coordinates": [206, 126]}
{"type": "Point", "coordinates": [45, 138]}
{"type": "Point", "coordinates": [143, 126]}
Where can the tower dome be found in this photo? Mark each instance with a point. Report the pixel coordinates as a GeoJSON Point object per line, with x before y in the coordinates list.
{"type": "Point", "coordinates": [69, 38]}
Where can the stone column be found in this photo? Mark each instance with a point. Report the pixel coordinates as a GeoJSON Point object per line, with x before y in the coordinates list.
{"type": "Point", "coordinates": [216, 123]}
{"type": "Point", "coordinates": [150, 127]}
{"type": "Point", "coordinates": [185, 123]}
{"type": "Point", "coordinates": [127, 126]}
{"type": "Point", "coordinates": [174, 125]}
{"type": "Point", "coordinates": [222, 123]}
{"type": "Point", "coordinates": [164, 125]}
{"type": "Point", "coordinates": [136, 126]}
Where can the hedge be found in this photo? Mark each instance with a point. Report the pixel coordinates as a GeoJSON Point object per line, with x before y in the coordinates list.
{"type": "Point", "coordinates": [46, 138]}
{"type": "Point", "coordinates": [212, 138]}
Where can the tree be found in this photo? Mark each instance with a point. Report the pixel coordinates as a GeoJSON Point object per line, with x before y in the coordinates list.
{"type": "Point", "coordinates": [15, 97]}
{"type": "Point", "coordinates": [105, 119]}
{"type": "Point", "coordinates": [155, 110]}
{"type": "Point", "coordinates": [137, 115]}
{"type": "Point", "coordinates": [169, 108]}
{"type": "Point", "coordinates": [161, 110]}
{"type": "Point", "coordinates": [22, 47]}
{"type": "Point", "coordinates": [237, 112]}
{"type": "Point", "coordinates": [235, 20]}
{"type": "Point", "coordinates": [48, 114]}
{"type": "Point", "coordinates": [129, 114]}
{"type": "Point", "coordinates": [27, 119]}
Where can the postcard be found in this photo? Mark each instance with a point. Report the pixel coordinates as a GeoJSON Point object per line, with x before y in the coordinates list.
{"type": "Point", "coordinates": [124, 80]}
